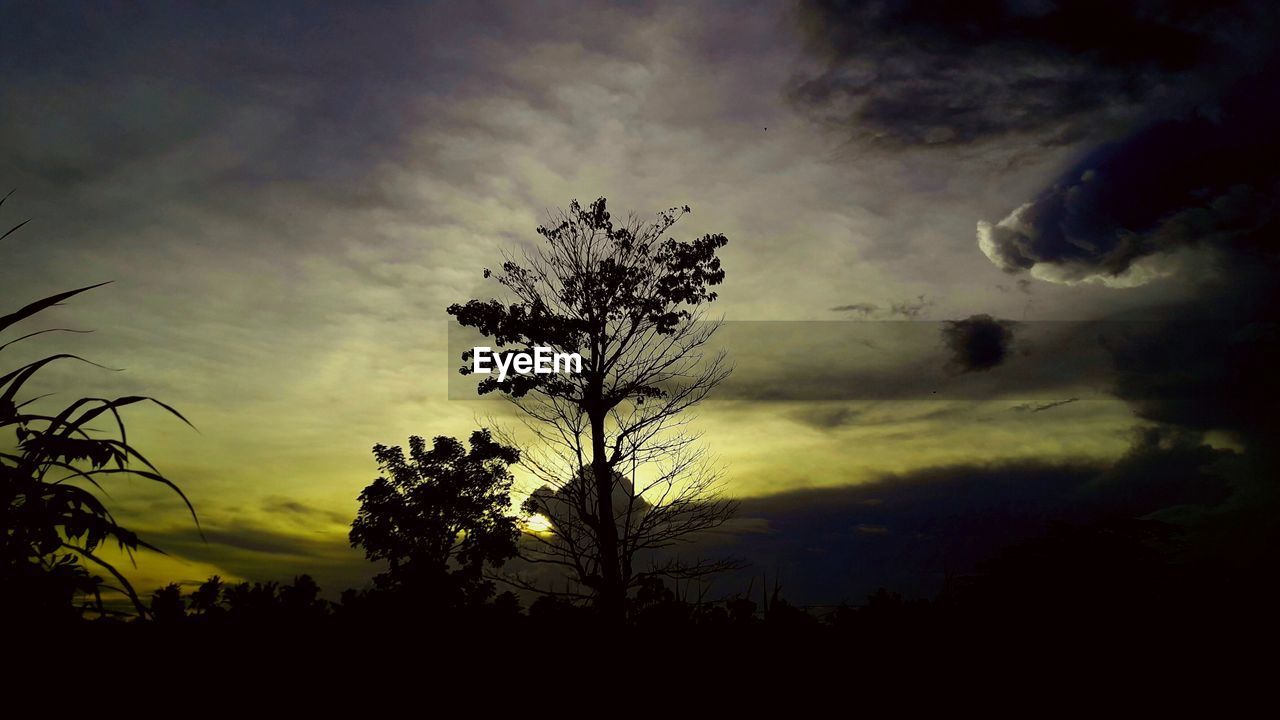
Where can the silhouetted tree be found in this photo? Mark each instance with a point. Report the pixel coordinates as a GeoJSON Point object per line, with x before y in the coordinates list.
{"type": "Point", "coordinates": [632, 304]}
{"type": "Point", "coordinates": [439, 515]}
{"type": "Point", "coordinates": [741, 610]}
{"type": "Point", "coordinates": [259, 603]}
{"type": "Point", "coordinates": [50, 464]}
{"type": "Point", "coordinates": [167, 604]}
{"type": "Point", "coordinates": [301, 601]}
{"type": "Point", "coordinates": [206, 599]}
{"type": "Point", "coordinates": [549, 611]}
{"type": "Point", "coordinates": [255, 603]}
{"type": "Point", "coordinates": [507, 604]}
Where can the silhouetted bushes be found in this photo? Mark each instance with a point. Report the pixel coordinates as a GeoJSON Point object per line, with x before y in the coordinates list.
{"type": "Point", "coordinates": [55, 468]}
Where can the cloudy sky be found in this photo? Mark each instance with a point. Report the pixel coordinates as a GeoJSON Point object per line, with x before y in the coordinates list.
{"type": "Point", "coordinates": [975, 254]}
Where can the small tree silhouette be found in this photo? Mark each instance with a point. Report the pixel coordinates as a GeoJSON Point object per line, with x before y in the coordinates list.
{"type": "Point", "coordinates": [205, 600]}
{"type": "Point", "coordinates": [167, 604]}
{"type": "Point", "coordinates": [49, 462]}
{"type": "Point", "coordinates": [438, 516]}
{"type": "Point", "coordinates": [249, 604]}
{"type": "Point", "coordinates": [301, 601]}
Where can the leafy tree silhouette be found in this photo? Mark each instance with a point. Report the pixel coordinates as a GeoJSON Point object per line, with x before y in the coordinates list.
{"type": "Point", "coordinates": [438, 516]}
{"type": "Point", "coordinates": [242, 604]}
{"type": "Point", "coordinates": [167, 604]}
{"type": "Point", "coordinates": [507, 604]}
{"type": "Point", "coordinates": [629, 302]}
{"type": "Point", "coordinates": [49, 463]}
{"type": "Point", "coordinates": [301, 602]}
{"type": "Point", "coordinates": [252, 604]}
{"type": "Point", "coordinates": [205, 600]}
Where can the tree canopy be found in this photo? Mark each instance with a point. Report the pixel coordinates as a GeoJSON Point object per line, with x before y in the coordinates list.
{"type": "Point", "coordinates": [438, 515]}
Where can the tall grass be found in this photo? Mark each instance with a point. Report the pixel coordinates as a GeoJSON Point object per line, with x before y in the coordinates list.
{"type": "Point", "coordinates": [53, 523]}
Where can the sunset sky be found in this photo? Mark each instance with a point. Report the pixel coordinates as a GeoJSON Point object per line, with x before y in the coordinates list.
{"type": "Point", "coordinates": [287, 196]}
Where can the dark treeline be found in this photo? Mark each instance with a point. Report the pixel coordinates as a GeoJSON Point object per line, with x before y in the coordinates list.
{"type": "Point", "coordinates": [1119, 575]}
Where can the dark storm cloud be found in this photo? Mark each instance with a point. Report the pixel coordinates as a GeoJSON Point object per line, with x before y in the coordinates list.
{"type": "Point", "coordinates": [1192, 180]}
{"type": "Point", "coordinates": [1164, 467]}
{"type": "Point", "coordinates": [913, 71]}
{"type": "Point", "coordinates": [909, 532]}
{"type": "Point", "coordinates": [977, 343]}
{"type": "Point", "coordinates": [1213, 364]}
{"type": "Point", "coordinates": [1189, 189]}
{"type": "Point", "coordinates": [1200, 181]}
{"type": "Point", "coordinates": [1193, 172]}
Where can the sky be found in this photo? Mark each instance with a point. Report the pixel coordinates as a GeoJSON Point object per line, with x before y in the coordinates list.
{"type": "Point", "coordinates": [988, 263]}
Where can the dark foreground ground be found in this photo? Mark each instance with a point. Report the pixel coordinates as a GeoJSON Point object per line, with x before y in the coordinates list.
{"type": "Point", "coordinates": [1219, 661]}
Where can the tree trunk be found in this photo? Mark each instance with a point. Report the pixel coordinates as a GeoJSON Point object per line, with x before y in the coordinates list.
{"type": "Point", "coordinates": [612, 595]}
